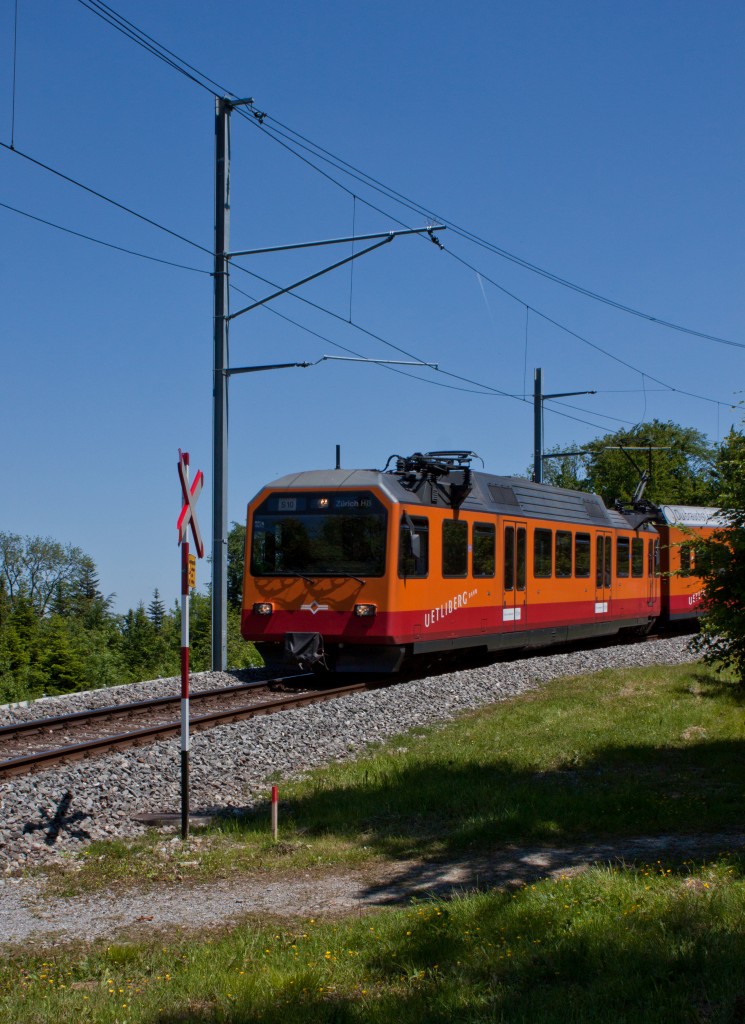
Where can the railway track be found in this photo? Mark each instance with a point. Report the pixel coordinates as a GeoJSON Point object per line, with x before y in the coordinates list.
{"type": "Point", "coordinates": [24, 746]}
{"type": "Point", "coordinates": [32, 745]}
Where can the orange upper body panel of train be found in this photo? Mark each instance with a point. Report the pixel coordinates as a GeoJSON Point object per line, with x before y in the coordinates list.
{"type": "Point", "coordinates": [357, 570]}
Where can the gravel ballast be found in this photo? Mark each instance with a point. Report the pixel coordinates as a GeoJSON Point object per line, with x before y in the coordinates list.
{"type": "Point", "coordinates": [57, 812]}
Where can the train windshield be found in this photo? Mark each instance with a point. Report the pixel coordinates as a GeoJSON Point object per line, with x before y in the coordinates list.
{"type": "Point", "coordinates": [319, 534]}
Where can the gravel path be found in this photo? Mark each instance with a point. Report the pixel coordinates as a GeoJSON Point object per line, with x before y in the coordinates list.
{"type": "Point", "coordinates": [27, 914]}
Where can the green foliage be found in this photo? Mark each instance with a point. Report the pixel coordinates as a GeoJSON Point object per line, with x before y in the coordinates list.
{"type": "Point", "coordinates": [653, 943]}
{"type": "Point", "coordinates": [720, 562]}
{"type": "Point", "coordinates": [646, 938]}
{"type": "Point", "coordinates": [683, 473]}
{"type": "Point", "coordinates": [43, 570]}
{"type": "Point", "coordinates": [58, 633]}
{"type": "Point", "coordinates": [565, 470]}
{"type": "Point", "coordinates": [236, 545]}
{"type": "Point", "coordinates": [156, 611]}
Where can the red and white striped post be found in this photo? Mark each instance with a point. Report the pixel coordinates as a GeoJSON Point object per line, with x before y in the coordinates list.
{"type": "Point", "coordinates": [275, 811]}
{"type": "Point", "coordinates": [185, 744]}
{"type": "Point", "coordinates": [188, 517]}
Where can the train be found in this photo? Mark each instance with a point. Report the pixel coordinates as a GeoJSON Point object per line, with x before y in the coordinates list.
{"type": "Point", "coordinates": [363, 570]}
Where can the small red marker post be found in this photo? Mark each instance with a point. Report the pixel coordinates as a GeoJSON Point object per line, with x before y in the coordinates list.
{"type": "Point", "coordinates": [187, 518]}
{"type": "Point", "coordinates": [275, 811]}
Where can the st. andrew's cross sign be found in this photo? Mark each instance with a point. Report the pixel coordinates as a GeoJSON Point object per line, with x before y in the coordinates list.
{"type": "Point", "coordinates": [188, 515]}
{"type": "Point", "coordinates": [188, 518]}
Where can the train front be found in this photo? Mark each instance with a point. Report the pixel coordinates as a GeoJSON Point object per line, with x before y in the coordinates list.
{"type": "Point", "coordinates": [315, 585]}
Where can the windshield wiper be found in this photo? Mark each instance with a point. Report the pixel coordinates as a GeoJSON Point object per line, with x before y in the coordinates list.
{"type": "Point", "coordinates": [289, 573]}
{"type": "Point", "coordinates": [347, 576]}
{"type": "Point", "coordinates": [299, 575]}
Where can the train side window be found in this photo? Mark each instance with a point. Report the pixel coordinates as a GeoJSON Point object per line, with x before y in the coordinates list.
{"type": "Point", "coordinates": [509, 558]}
{"type": "Point", "coordinates": [637, 557]}
{"type": "Point", "coordinates": [622, 557]}
{"type": "Point", "coordinates": [685, 559]}
{"type": "Point", "coordinates": [602, 568]}
{"type": "Point", "coordinates": [582, 555]}
{"type": "Point", "coordinates": [563, 554]}
{"type": "Point", "coordinates": [542, 544]}
{"type": "Point", "coordinates": [454, 547]}
{"type": "Point", "coordinates": [484, 542]}
{"type": "Point", "coordinates": [521, 564]}
{"type": "Point", "coordinates": [656, 557]}
{"type": "Point", "coordinates": [409, 564]}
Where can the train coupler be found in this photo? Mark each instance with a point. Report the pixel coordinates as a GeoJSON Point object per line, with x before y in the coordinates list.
{"type": "Point", "coordinates": [305, 650]}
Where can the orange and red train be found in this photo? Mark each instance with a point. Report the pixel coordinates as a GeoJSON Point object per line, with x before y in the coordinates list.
{"type": "Point", "coordinates": [359, 570]}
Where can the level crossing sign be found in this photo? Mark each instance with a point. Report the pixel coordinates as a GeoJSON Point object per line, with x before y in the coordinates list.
{"type": "Point", "coordinates": [187, 519]}
{"type": "Point", "coordinates": [191, 494]}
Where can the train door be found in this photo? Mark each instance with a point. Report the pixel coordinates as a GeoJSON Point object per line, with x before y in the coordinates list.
{"type": "Point", "coordinates": [603, 549]}
{"type": "Point", "coordinates": [514, 565]}
{"type": "Point", "coordinates": [653, 570]}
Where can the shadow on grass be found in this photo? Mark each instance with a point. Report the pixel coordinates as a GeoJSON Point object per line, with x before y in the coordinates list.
{"type": "Point", "coordinates": [404, 808]}
{"type": "Point", "coordinates": [681, 964]}
{"type": "Point", "coordinates": [714, 686]}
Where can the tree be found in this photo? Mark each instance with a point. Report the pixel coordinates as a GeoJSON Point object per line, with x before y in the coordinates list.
{"type": "Point", "coordinates": [139, 648]}
{"type": "Point", "coordinates": [41, 569]}
{"type": "Point", "coordinates": [156, 611]}
{"type": "Point", "coordinates": [86, 602]}
{"type": "Point", "coordinates": [682, 473]}
{"type": "Point", "coordinates": [236, 545]}
{"type": "Point", "coordinates": [720, 562]}
{"type": "Point", "coordinates": [60, 663]}
{"type": "Point", "coordinates": [565, 470]}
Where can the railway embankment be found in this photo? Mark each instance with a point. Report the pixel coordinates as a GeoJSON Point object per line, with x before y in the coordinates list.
{"type": "Point", "coordinates": [53, 814]}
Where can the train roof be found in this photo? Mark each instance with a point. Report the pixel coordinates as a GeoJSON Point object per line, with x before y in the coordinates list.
{"type": "Point", "coordinates": [500, 495]}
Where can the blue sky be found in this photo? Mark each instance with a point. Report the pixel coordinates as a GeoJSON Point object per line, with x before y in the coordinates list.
{"type": "Point", "coordinates": [602, 142]}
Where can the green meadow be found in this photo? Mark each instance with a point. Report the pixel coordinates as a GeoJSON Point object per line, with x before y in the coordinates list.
{"type": "Point", "coordinates": [609, 758]}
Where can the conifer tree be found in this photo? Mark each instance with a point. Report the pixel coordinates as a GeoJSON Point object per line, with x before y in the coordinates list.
{"type": "Point", "coordinates": [156, 611]}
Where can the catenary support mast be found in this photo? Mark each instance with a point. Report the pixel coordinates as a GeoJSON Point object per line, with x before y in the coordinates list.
{"type": "Point", "coordinates": [223, 108]}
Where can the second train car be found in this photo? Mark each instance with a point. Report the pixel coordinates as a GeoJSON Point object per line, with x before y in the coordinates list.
{"type": "Point", "coordinates": [359, 570]}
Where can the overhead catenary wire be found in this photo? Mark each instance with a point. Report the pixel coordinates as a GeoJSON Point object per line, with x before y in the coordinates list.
{"type": "Point", "coordinates": [260, 119]}
{"type": "Point", "coordinates": [480, 273]}
{"type": "Point", "coordinates": [141, 38]}
{"type": "Point", "coordinates": [479, 388]}
{"type": "Point", "coordinates": [457, 229]}
{"type": "Point", "coordinates": [99, 195]}
{"type": "Point", "coordinates": [580, 337]}
{"type": "Point", "coordinates": [100, 241]}
{"type": "Point", "coordinates": [105, 198]}
{"type": "Point", "coordinates": [169, 231]}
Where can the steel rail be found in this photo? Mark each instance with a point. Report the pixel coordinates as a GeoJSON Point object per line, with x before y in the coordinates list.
{"type": "Point", "coordinates": [79, 751]}
{"type": "Point", "coordinates": [114, 710]}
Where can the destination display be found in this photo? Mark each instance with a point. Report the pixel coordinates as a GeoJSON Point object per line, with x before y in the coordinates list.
{"type": "Point", "coordinates": [687, 515]}
{"type": "Point", "coordinates": [349, 502]}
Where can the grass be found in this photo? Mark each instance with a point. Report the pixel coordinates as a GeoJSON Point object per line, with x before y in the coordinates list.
{"type": "Point", "coordinates": [619, 754]}
{"type": "Point", "coordinates": [652, 944]}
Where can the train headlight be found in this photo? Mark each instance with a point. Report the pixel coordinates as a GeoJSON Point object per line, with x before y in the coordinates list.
{"type": "Point", "coordinates": [263, 608]}
{"type": "Point", "coordinates": [365, 611]}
